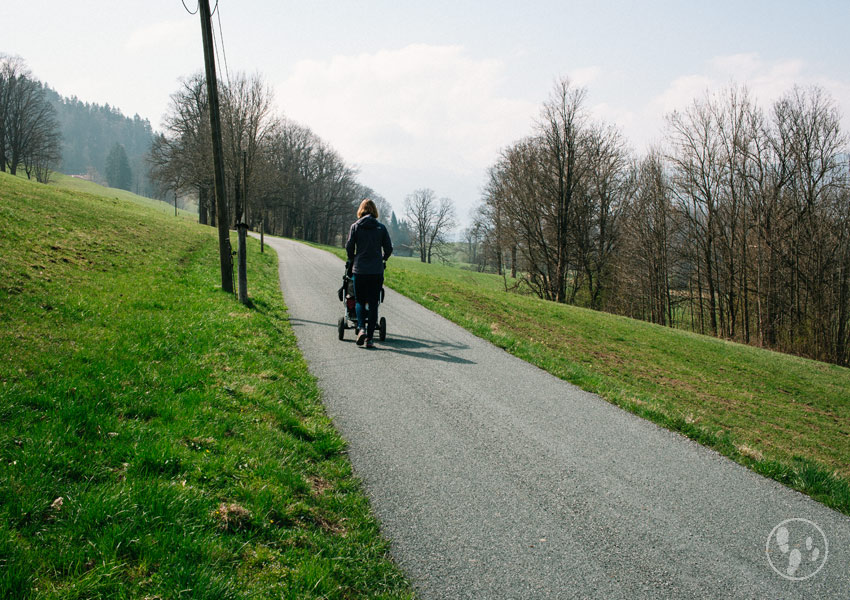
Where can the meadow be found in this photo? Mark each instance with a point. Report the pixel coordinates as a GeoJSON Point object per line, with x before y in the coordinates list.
{"type": "Point", "coordinates": [157, 438]}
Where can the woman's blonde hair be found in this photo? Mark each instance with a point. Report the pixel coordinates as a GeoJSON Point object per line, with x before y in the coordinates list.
{"type": "Point", "coordinates": [367, 207]}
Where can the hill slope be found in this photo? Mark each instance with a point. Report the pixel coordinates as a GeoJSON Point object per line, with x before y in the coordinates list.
{"type": "Point", "coordinates": [157, 436]}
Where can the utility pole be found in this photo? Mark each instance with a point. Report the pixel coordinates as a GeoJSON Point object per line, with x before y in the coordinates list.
{"type": "Point", "coordinates": [224, 250]}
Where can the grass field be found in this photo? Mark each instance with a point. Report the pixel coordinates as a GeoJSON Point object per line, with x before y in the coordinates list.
{"type": "Point", "coordinates": [75, 184]}
{"type": "Point", "coordinates": [157, 438]}
{"type": "Point", "coordinates": [783, 416]}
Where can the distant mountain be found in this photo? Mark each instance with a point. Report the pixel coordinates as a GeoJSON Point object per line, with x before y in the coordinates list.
{"type": "Point", "coordinates": [90, 131]}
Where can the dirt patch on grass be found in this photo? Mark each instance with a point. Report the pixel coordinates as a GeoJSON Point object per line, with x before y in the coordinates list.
{"type": "Point", "coordinates": [609, 358]}
{"type": "Point", "coordinates": [319, 485]}
{"type": "Point", "coordinates": [232, 517]}
{"type": "Point", "coordinates": [749, 452]}
{"type": "Point", "coordinates": [330, 526]}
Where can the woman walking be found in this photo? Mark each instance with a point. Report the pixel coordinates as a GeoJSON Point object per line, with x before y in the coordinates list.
{"type": "Point", "coordinates": [368, 247]}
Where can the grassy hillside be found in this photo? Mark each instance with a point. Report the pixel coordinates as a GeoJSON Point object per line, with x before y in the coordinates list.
{"type": "Point", "coordinates": [74, 184]}
{"type": "Point", "coordinates": [783, 416]}
{"type": "Point", "coordinates": [412, 265]}
{"type": "Point", "coordinates": [158, 439]}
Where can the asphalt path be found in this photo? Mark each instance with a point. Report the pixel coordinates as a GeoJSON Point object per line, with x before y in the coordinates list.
{"type": "Point", "coordinates": [494, 479]}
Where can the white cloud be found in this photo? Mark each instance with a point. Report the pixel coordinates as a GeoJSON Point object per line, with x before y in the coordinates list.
{"type": "Point", "coordinates": [741, 66]}
{"type": "Point", "coordinates": [681, 92]}
{"type": "Point", "coordinates": [585, 76]}
{"type": "Point", "coordinates": [163, 34]}
{"type": "Point", "coordinates": [408, 107]}
{"type": "Point", "coordinates": [767, 81]}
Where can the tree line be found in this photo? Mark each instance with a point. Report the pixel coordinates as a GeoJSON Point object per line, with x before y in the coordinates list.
{"type": "Point", "coordinates": [281, 176]}
{"type": "Point", "coordinates": [42, 131]}
{"type": "Point", "coordinates": [738, 225]}
{"type": "Point", "coordinates": [29, 130]}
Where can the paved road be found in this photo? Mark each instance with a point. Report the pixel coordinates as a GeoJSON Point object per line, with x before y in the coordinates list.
{"type": "Point", "coordinates": [494, 479]}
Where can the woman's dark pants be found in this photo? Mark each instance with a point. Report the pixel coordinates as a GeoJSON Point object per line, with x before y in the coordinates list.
{"type": "Point", "coordinates": [367, 289]}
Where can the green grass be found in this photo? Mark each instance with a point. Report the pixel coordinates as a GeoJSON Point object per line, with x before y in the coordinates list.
{"type": "Point", "coordinates": [68, 183]}
{"type": "Point", "coordinates": [783, 416]}
{"type": "Point", "coordinates": [454, 274]}
{"type": "Point", "coordinates": [181, 430]}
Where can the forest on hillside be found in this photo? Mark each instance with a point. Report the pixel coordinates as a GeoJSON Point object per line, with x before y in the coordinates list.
{"type": "Point", "coordinates": [90, 132]}
{"type": "Point", "coordinates": [42, 131]}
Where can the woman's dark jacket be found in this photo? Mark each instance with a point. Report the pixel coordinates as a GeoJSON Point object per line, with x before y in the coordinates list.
{"type": "Point", "coordinates": [368, 246]}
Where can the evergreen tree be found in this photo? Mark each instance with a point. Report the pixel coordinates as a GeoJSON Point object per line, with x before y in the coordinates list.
{"type": "Point", "coordinates": [400, 234]}
{"type": "Point", "coordinates": [118, 172]}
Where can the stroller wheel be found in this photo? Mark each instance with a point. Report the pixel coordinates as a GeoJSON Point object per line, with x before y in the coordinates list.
{"type": "Point", "coordinates": [341, 327]}
{"type": "Point", "coordinates": [382, 329]}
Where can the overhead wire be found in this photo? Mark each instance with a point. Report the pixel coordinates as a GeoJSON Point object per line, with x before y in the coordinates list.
{"type": "Point", "coordinates": [196, 9]}
{"type": "Point", "coordinates": [223, 51]}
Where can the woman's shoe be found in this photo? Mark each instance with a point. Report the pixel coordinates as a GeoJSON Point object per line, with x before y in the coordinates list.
{"type": "Point", "coordinates": [361, 337]}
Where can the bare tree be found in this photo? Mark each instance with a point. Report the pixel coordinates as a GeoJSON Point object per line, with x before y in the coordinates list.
{"type": "Point", "coordinates": [811, 147]}
{"type": "Point", "coordinates": [181, 158]}
{"type": "Point", "coordinates": [473, 236]}
{"type": "Point", "coordinates": [560, 134]}
{"type": "Point", "coordinates": [29, 130]}
{"type": "Point", "coordinates": [445, 221]}
{"type": "Point", "coordinates": [531, 191]}
{"type": "Point", "coordinates": [596, 209]}
{"type": "Point", "coordinates": [697, 166]}
{"type": "Point", "coordinates": [526, 216]}
{"type": "Point", "coordinates": [12, 71]}
{"type": "Point", "coordinates": [247, 122]}
{"type": "Point", "coordinates": [419, 209]}
{"type": "Point", "coordinates": [645, 256]}
{"type": "Point", "coordinates": [45, 149]}
{"type": "Point", "coordinates": [306, 189]}
{"type": "Point", "coordinates": [431, 221]}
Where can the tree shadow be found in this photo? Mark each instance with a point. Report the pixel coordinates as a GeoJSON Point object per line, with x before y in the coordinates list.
{"type": "Point", "coordinates": [425, 349]}
{"type": "Point", "coordinates": [408, 346]}
{"type": "Point", "coordinates": [297, 322]}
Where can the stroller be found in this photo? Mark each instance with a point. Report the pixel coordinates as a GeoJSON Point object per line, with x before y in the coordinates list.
{"type": "Point", "coordinates": [348, 320]}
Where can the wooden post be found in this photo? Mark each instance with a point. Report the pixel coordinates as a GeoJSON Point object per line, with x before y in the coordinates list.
{"type": "Point", "coordinates": [244, 205]}
{"type": "Point", "coordinates": [262, 231]}
{"type": "Point", "coordinates": [242, 228]}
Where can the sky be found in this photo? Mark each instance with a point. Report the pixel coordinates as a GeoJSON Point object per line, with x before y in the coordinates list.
{"type": "Point", "coordinates": [425, 94]}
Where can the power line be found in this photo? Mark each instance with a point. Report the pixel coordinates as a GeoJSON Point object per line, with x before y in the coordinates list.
{"type": "Point", "coordinates": [196, 10]}
{"type": "Point", "coordinates": [223, 51]}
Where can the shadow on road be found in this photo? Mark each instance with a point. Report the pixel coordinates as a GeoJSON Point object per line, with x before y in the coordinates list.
{"type": "Point", "coordinates": [427, 349]}
{"type": "Point", "coordinates": [408, 346]}
{"type": "Point", "coordinates": [296, 322]}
